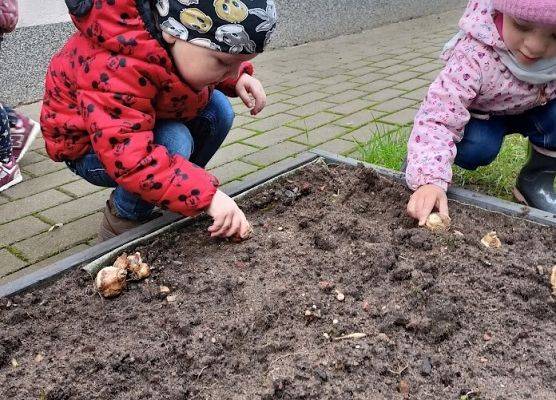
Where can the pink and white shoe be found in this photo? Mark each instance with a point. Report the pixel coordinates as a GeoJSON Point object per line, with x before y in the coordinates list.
{"type": "Point", "coordinates": [9, 174]}
{"type": "Point", "coordinates": [23, 132]}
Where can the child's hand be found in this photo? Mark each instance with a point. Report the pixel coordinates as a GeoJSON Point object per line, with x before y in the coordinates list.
{"type": "Point", "coordinates": [424, 200]}
{"type": "Point", "coordinates": [229, 220]}
{"type": "Point", "coordinates": [251, 91]}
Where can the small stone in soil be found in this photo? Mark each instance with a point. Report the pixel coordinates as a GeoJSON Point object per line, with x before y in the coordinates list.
{"type": "Point", "coordinates": [487, 337]}
{"type": "Point", "coordinates": [426, 367]}
{"type": "Point", "coordinates": [172, 298]}
{"type": "Point", "coordinates": [321, 374]}
{"type": "Point", "coordinates": [340, 296]}
{"type": "Point", "coordinates": [326, 286]}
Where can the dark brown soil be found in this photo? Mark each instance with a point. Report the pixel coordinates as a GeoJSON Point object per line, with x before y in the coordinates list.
{"type": "Point", "coordinates": [445, 317]}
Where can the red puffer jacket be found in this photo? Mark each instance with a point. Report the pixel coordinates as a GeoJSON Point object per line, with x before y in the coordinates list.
{"type": "Point", "coordinates": [105, 88]}
{"type": "Point", "coordinates": [8, 15]}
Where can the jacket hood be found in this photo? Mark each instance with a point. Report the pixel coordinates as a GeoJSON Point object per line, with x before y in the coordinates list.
{"type": "Point", "coordinates": [478, 22]}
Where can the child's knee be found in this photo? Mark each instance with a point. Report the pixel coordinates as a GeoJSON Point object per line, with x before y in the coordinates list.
{"type": "Point", "coordinates": [478, 156]}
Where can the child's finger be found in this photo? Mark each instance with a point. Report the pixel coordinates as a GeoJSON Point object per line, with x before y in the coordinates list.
{"type": "Point", "coordinates": [225, 226]}
{"type": "Point", "coordinates": [244, 96]}
{"type": "Point", "coordinates": [443, 206]}
{"type": "Point", "coordinates": [260, 101]}
{"type": "Point", "coordinates": [234, 227]}
{"type": "Point", "coordinates": [216, 224]}
{"type": "Point", "coordinates": [425, 210]}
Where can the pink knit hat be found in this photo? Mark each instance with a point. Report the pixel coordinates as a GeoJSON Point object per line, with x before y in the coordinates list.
{"type": "Point", "coordinates": [540, 11]}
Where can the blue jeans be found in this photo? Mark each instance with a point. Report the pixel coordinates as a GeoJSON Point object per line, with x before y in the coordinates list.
{"type": "Point", "coordinates": [483, 139]}
{"type": "Point", "coordinates": [197, 140]}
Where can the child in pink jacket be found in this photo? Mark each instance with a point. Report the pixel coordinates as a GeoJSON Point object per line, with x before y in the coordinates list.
{"type": "Point", "coordinates": [499, 78]}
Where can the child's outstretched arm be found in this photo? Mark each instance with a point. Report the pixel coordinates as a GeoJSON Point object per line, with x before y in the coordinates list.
{"type": "Point", "coordinates": [439, 124]}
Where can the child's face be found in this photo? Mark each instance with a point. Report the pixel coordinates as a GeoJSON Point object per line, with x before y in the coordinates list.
{"type": "Point", "coordinates": [200, 66]}
{"type": "Point", "coordinates": [529, 42]}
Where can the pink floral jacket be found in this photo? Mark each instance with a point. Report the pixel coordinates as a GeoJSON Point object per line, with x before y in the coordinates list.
{"type": "Point", "coordinates": [8, 15]}
{"type": "Point", "coordinates": [474, 78]}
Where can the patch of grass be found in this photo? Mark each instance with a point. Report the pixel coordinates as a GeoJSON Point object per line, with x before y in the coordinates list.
{"type": "Point", "coordinates": [497, 179]}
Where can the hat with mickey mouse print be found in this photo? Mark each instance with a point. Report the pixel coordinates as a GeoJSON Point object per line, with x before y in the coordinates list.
{"type": "Point", "coordinates": [229, 26]}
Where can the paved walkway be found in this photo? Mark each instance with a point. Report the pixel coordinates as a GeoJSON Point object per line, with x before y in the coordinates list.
{"type": "Point", "coordinates": [329, 95]}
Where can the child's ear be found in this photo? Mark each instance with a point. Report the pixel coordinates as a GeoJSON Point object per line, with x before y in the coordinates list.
{"type": "Point", "coordinates": [168, 38]}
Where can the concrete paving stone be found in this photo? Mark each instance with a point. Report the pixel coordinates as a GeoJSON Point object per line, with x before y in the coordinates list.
{"type": "Point", "coordinates": [351, 107]}
{"type": "Point", "coordinates": [333, 80]}
{"type": "Point", "coordinates": [32, 186]}
{"type": "Point", "coordinates": [368, 78]}
{"type": "Point", "coordinates": [273, 89]}
{"type": "Point", "coordinates": [9, 263]}
{"type": "Point", "coordinates": [320, 135]}
{"type": "Point", "coordinates": [295, 80]}
{"type": "Point", "coordinates": [311, 108]}
{"type": "Point", "coordinates": [32, 157]}
{"type": "Point", "coordinates": [402, 117]}
{"type": "Point", "coordinates": [57, 257]}
{"type": "Point", "coordinates": [241, 120]}
{"type": "Point", "coordinates": [79, 188]}
{"type": "Point", "coordinates": [274, 153]}
{"type": "Point", "coordinates": [38, 144]}
{"type": "Point", "coordinates": [359, 118]}
{"type": "Point", "coordinates": [273, 122]}
{"type": "Point", "coordinates": [338, 146]}
{"type": "Point", "coordinates": [346, 96]}
{"type": "Point", "coordinates": [428, 67]}
{"type": "Point", "coordinates": [233, 170]}
{"type": "Point", "coordinates": [416, 61]}
{"type": "Point", "coordinates": [31, 204]}
{"type": "Point", "coordinates": [314, 121]}
{"type": "Point", "coordinates": [237, 134]}
{"type": "Point", "coordinates": [385, 62]}
{"type": "Point", "coordinates": [277, 97]}
{"type": "Point", "coordinates": [417, 94]}
{"type": "Point", "coordinates": [227, 187]}
{"type": "Point", "coordinates": [383, 95]}
{"type": "Point", "coordinates": [272, 168]}
{"type": "Point", "coordinates": [230, 153]}
{"type": "Point", "coordinates": [49, 243]}
{"type": "Point", "coordinates": [78, 208]}
{"type": "Point", "coordinates": [412, 84]}
{"type": "Point", "coordinates": [20, 229]}
{"type": "Point", "coordinates": [393, 69]}
{"type": "Point", "coordinates": [430, 76]}
{"type": "Point", "coordinates": [376, 85]}
{"type": "Point", "coordinates": [340, 87]}
{"type": "Point", "coordinates": [273, 109]}
{"type": "Point", "coordinates": [32, 110]}
{"type": "Point", "coordinates": [44, 167]}
{"type": "Point", "coordinates": [272, 137]}
{"type": "Point", "coordinates": [403, 76]}
{"type": "Point", "coordinates": [3, 199]}
{"type": "Point", "coordinates": [394, 104]}
{"type": "Point", "coordinates": [303, 89]}
{"type": "Point", "coordinates": [307, 98]}
{"type": "Point", "coordinates": [367, 69]}
{"type": "Point", "coordinates": [397, 51]}
{"type": "Point", "coordinates": [407, 58]}
{"type": "Point", "coordinates": [366, 132]}
{"type": "Point", "coordinates": [355, 65]}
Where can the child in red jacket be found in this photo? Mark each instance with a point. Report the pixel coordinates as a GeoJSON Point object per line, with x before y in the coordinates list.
{"type": "Point", "coordinates": [136, 100]}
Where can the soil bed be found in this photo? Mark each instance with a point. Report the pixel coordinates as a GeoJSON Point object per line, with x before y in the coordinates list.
{"type": "Point", "coordinates": [444, 316]}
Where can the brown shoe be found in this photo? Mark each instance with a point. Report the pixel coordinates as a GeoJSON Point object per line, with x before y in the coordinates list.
{"type": "Point", "coordinates": [112, 225]}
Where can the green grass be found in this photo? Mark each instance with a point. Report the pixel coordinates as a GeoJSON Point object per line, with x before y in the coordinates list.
{"type": "Point", "coordinates": [388, 148]}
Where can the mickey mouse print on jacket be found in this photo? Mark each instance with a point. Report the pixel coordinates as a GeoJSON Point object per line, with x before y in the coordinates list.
{"type": "Point", "coordinates": [110, 82]}
{"type": "Point", "coordinates": [474, 79]}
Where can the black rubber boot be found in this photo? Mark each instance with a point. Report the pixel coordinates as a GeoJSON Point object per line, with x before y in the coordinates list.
{"type": "Point", "coordinates": [535, 183]}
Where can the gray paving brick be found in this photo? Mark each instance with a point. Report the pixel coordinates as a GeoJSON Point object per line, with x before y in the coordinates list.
{"type": "Point", "coordinates": [303, 89]}
{"type": "Point", "coordinates": [79, 188]}
{"type": "Point", "coordinates": [415, 61]}
{"type": "Point", "coordinates": [37, 144]}
{"type": "Point", "coordinates": [31, 204]}
{"type": "Point", "coordinates": [272, 168]}
{"type": "Point", "coordinates": [403, 117]}
{"type": "Point", "coordinates": [270, 90]}
{"type": "Point", "coordinates": [367, 69]}
{"type": "Point", "coordinates": [307, 98]}
{"type": "Point", "coordinates": [311, 108]}
{"type": "Point", "coordinates": [273, 109]}
{"type": "Point", "coordinates": [412, 84]}
{"type": "Point", "coordinates": [386, 62]}
{"type": "Point", "coordinates": [3, 199]}
{"type": "Point", "coordinates": [338, 146]}
{"type": "Point", "coordinates": [314, 121]}
{"type": "Point", "coordinates": [9, 263]}
{"type": "Point", "coordinates": [351, 107]}
{"type": "Point", "coordinates": [241, 120]}
{"type": "Point", "coordinates": [270, 123]}
{"type": "Point", "coordinates": [275, 153]}
{"type": "Point", "coordinates": [384, 94]}
{"type": "Point", "coordinates": [32, 186]}
{"type": "Point", "coordinates": [230, 153]}
{"type": "Point", "coordinates": [333, 80]}
{"type": "Point", "coordinates": [359, 118]}
{"type": "Point", "coordinates": [31, 157]}
{"type": "Point", "coordinates": [238, 134]}
{"type": "Point", "coordinates": [428, 67]}
{"type": "Point", "coordinates": [44, 167]}
{"type": "Point", "coordinates": [20, 229]}
{"type": "Point", "coordinates": [272, 137]}
{"type": "Point", "coordinates": [233, 170]}
{"type": "Point", "coordinates": [403, 76]}
{"type": "Point", "coordinates": [277, 97]}
{"type": "Point", "coordinates": [393, 70]}
{"type": "Point", "coordinates": [366, 132]}
{"type": "Point", "coordinates": [346, 96]}
{"type": "Point", "coordinates": [49, 243]}
{"type": "Point", "coordinates": [417, 94]}
{"type": "Point", "coordinates": [430, 76]}
{"type": "Point", "coordinates": [368, 78]}
{"type": "Point", "coordinates": [376, 86]}
{"type": "Point", "coordinates": [78, 208]}
{"type": "Point", "coordinates": [340, 87]}
{"type": "Point", "coordinates": [320, 135]}
{"type": "Point", "coordinates": [394, 104]}
{"type": "Point", "coordinates": [32, 110]}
